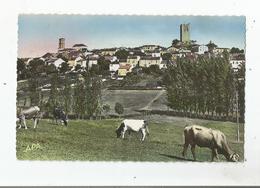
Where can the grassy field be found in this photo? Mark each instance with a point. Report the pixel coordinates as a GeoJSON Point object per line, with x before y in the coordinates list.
{"type": "Point", "coordinates": [96, 141]}
{"type": "Point", "coordinates": [131, 100]}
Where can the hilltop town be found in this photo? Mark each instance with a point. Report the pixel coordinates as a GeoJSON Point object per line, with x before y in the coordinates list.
{"type": "Point", "coordinates": [119, 61]}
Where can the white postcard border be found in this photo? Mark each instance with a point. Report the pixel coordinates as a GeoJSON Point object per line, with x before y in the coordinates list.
{"type": "Point", "coordinates": [14, 172]}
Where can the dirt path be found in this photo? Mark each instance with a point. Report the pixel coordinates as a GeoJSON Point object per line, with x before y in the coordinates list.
{"type": "Point", "coordinates": [147, 107]}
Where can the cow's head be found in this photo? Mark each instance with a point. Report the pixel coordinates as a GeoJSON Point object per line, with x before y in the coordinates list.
{"type": "Point", "coordinates": [234, 157]}
{"type": "Point", "coordinates": [119, 130]}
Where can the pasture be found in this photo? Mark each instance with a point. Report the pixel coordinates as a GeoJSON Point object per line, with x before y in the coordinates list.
{"type": "Point", "coordinates": [95, 140]}
{"type": "Point", "coordinates": [133, 100]}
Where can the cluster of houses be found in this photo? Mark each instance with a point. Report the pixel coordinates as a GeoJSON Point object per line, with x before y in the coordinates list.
{"type": "Point", "coordinates": [143, 56]}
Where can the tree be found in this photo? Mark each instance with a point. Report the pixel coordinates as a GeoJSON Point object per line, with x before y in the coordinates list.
{"type": "Point", "coordinates": [103, 66]}
{"type": "Point", "coordinates": [78, 67]}
{"type": "Point", "coordinates": [241, 91]}
{"type": "Point", "coordinates": [79, 96]}
{"type": "Point", "coordinates": [54, 93]}
{"type": "Point", "coordinates": [34, 91]}
{"type": "Point", "coordinates": [92, 88]}
{"type": "Point", "coordinates": [167, 56]}
{"type": "Point", "coordinates": [21, 70]}
{"type": "Point", "coordinates": [175, 42]}
{"type": "Point", "coordinates": [211, 45]}
{"type": "Point", "coordinates": [130, 79]}
{"type": "Point", "coordinates": [95, 70]}
{"type": "Point", "coordinates": [152, 69]}
{"type": "Point", "coordinates": [119, 109]}
{"type": "Point", "coordinates": [203, 86]}
{"type": "Point", "coordinates": [65, 67]}
{"type": "Point", "coordinates": [106, 108]}
{"type": "Point", "coordinates": [139, 53]}
{"type": "Point", "coordinates": [155, 69]}
{"type": "Point", "coordinates": [236, 50]}
{"type": "Point", "coordinates": [50, 69]}
{"type": "Point", "coordinates": [36, 66]}
{"type": "Point", "coordinates": [67, 94]}
{"type": "Point", "coordinates": [122, 54]}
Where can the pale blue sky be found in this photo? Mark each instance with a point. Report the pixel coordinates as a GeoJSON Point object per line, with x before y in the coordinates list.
{"type": "Point", "coordinates": [38, 34]}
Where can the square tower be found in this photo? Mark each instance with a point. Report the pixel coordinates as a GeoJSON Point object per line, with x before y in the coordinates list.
{"type": "Point", "coordinates": [61, 43]}
{"type": "Point", "coordinates": [185, 33]}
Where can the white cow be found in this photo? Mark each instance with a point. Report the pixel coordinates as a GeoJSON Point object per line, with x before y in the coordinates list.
{"type": "Point", "coordinates": [204, 137]}
{"type": "Point", "coordinates": [132, 125]}
{"type": "Point", "coordinates": [30, 113]}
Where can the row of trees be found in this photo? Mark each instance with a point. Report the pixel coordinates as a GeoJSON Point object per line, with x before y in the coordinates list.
{"type": "Point", "coordinates": [81, 97]}
{"type": "Point", "coordinates": [206, 86]}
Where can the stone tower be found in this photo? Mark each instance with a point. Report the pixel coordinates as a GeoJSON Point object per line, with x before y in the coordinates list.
{"type": "Point", "coordinates": [185, 33]}
{"type": "Point", "coordinates": [61, 43]}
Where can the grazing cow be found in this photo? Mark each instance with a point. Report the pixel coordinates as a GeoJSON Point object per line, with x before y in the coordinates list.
{"type": "Point", "coordinates": [132, 125]}
{"type": "Point", "coordinates": [59, 115]}
{"type": "Point", "coordinates": [30, 113]}
{"type": "Point", "coordinates": [204, 137]}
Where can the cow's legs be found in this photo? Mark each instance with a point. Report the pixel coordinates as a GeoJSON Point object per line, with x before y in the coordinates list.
{"type": "Point", "coordinates": [123, 133]}
{"type": "Point", "coordinates": [35, 121]}
{"type": "Point", "coordinates": [129, 134]}
{"type": "Point", "coordinates": [23, 121]}
{"type": "Point", "coordinates": [185, 145]}
{"type": "Point", "coordinates": [19, 123]}
{"type": "Point", "coordinates": [193, 151]}
{"type": "Point", "coordinates": [143, 134]}
{"type": "Point", "coordinates": [185, 148]}
{"type": "Point", "coordinates": [214, 154]}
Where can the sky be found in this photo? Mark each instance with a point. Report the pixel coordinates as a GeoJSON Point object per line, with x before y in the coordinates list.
{"type": "Point", "coordinates": [38, 34]}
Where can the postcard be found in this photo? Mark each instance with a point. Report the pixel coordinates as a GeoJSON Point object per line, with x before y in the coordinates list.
{"type": "Point", "coordinates": [134, 93]}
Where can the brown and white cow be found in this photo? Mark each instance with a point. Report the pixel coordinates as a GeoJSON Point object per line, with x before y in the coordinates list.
{"type": "Point", "coordinates": [205, 137]}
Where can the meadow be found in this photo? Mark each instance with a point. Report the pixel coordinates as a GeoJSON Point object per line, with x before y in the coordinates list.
{"type": "Point", "coordinates": [95, 140]}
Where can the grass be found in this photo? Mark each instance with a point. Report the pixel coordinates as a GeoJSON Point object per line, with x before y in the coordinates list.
{"type": "Point", "coordinates": [131, 100]}
{"type": "Point", "coordinates": [95, 140]}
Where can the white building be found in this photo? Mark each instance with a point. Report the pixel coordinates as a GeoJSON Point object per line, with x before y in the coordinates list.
{"type": "Point", "coordinates": [236, 60]}
{"type": "Point", "coordinates": [81, 61]}
{"type": "Point", "coordinates": [149, 48]}
{"type": "Point", "coordinates": [147, 61]}
{"type": "Point", "coordinates": [220, 50]}
{"type": "Point", "coordinates": [236, 63]}
{"type": "Point", "coordinates": [156, 54]}
{"type": "Point", "coordinates": [200, 49]}
{"type": "Point", "coordinates": [133, 60]}
{"type": "Point", "coordinates": [114, 67]}
{"type": "Point", "coordinates": [56, 62]}
{"type": "Point", "coordinates": [93, 60]}
{"type": "Point", "coordinates": [163, 64]}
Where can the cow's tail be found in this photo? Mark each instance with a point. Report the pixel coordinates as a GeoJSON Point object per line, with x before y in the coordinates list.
{"type": "Point", "coordinates": [146, 127]}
